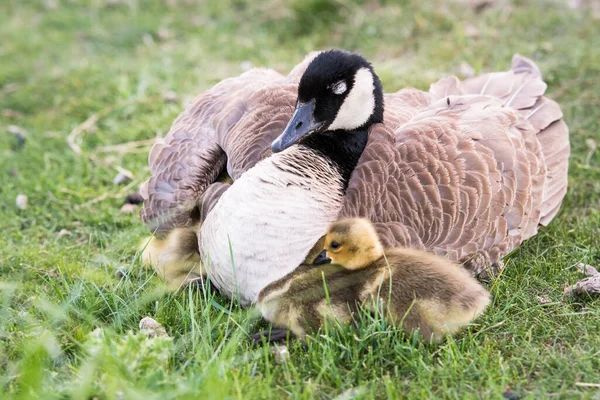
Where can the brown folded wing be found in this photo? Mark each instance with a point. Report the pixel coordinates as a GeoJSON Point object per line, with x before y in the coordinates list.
{"type": "Point", "coordinates": [467, 170]}
{"type": "Point", "coordinates": [226, 129]}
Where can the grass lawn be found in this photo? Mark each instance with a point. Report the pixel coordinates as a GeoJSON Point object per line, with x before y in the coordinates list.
{"type": "Point", "coordinates": [127, 67]}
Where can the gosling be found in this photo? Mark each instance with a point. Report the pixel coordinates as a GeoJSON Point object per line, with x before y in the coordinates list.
{"type": "Point", "coordinates": [418, 290]}
{"type": "Point", "coordinates": [175, 258]}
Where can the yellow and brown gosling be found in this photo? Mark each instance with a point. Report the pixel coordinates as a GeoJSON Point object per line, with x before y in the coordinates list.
{"type": "Point", "coordinates": [418, 290]}
{"type": "Point", "coordinates": [175, 258]}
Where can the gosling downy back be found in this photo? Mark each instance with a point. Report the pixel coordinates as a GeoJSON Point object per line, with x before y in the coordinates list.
{"type": "Point", "coordinates": [414, 289]}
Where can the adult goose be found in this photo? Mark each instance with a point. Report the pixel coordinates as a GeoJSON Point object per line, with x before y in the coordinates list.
{"type": "Point", "coordinates": [467, 170]}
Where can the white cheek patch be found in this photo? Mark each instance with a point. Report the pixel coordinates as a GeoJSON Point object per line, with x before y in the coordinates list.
{"type": "Point", "coordinates": [358, 105]}
{"type": "Point", "coordinates": [339, 87]}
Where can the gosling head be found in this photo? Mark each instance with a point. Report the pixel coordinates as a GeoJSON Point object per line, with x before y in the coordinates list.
{"type": "Point", "coordinates": [339, 91]}
{"type": "Point", "coordinates": [351, 243]}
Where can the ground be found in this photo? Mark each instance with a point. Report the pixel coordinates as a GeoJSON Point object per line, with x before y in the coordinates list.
{"type": "Point", "coordinates": [128, 67]}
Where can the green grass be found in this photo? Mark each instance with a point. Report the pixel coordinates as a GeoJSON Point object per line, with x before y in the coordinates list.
{"type": "Point", "coordinates": [62, 64]}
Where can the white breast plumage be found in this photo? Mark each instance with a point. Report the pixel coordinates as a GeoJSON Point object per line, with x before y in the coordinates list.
{"type": "Point", "coordinates": [265, 224]}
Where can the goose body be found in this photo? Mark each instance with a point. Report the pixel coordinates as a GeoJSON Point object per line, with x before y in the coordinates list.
{"type": "Point", "coordinates": [467, 170]}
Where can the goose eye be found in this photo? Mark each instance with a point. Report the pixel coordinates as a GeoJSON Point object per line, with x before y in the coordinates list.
{"type": "Point", "coordinates": [335, 245]}
{"type": "Point", "coordinates": [339, 87]}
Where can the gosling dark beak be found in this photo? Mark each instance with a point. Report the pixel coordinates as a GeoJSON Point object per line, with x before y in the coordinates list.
{"type": "Point", "coordinates": [322, 258]}
{"type": "Point", "coordinates": [301, 125]}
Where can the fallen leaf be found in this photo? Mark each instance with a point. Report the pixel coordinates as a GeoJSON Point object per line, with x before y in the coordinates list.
{"type": "Point", "coordinates": [589, 286]}
{"type": "Point", "coordinates": [587, 269]}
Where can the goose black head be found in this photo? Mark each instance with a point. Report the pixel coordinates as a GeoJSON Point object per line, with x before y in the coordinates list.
{"type": "Point", "coordinates": [339, 91]}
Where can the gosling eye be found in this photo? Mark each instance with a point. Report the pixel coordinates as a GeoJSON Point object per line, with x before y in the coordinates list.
{"type": "Point", "coordinates": [335, 245]}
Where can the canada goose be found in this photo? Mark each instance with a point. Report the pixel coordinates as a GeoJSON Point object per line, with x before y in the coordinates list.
{"type": "Point", "coordinates": [419, 290]}
{"type": "Point", "coordinates": [467, 170]}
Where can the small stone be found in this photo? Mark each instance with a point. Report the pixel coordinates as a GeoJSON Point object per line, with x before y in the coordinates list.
{"type": "Point", "coordinates": [147, 40]}
{"type": "Point", "coordinates": [109, 160]}
{"type": "Point", "coordinates": [63, 232]}
{"type": "Point", "coordinates": [21, 201]}
{"type": "Point", "coordinates": [246, 65]}
{"type": "Point", "coordinates": [591, 144]}
{"type": "Point", "coordinates": [281, 354]}
{"type": "Point", "coordinates": [152, 328]}
{"type": "Point", "coordinates": [19, 133]}
{"type": "Point", "coordinates": [13, 172]}
{"type": "Point", "coordinates": [51, 4]}
{"type": "Point", "coordinates": [548, 46]}
{"type": "Point", "coordinates": [16, 130]}
{"type": "Point", "coordinates": [466, 70]}
{"type": "Point", "coordinates": [123, 176]}
{"type": "Point", "coordinates": [163, 34]}
{"type": "Point", "coordinates": [134, 198]}
{"type": "Point", "coordinates": [97, 333]}
{"type": "Point", "coordinates": [509, 394]}
{"type": "Point", "coordinates": [197, 20]}
{"type": "Point", "coordinates": [121, 273]}
{"type": "Point", "coordinates": [121, 179]}
{"type": "Point", "coordinates": [129, 208]}
{"type": "Point", "coordinates": [352, 393]}
{"type": "Point", "coordinates": [471, 31]}
{"type": "Point", "coordinates": [543, 300]}
{"type": "Point", "coordinates": [170, 96]}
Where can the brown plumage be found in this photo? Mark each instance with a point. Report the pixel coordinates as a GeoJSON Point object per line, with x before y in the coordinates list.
{"type": "Point", "coordinates": [418, 290]}
{"type": "Point", "coordinates": [467, 170]}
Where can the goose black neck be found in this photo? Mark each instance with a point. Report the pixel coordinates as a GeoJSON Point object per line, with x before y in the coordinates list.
{"type": "Point", "coordinates": [342, 148]}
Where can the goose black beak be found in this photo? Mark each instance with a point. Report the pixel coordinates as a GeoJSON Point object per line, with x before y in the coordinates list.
{"type": "Point", "coordinates": [301, 125]}
{"type": "Point", "coordinates": [322, 258]}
